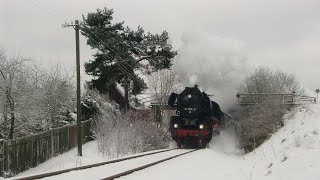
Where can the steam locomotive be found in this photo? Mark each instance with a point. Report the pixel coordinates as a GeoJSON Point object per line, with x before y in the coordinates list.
{"type": "Point", "coordinates": [197, 118]}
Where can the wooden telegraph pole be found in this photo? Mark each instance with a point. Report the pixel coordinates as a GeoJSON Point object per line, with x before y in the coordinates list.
{"type": "Point", "coordinates": [76, 26]}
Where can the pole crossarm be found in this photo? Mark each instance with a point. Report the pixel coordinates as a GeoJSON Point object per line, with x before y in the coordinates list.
{"type": "Point", "coordinates": [72, 24]}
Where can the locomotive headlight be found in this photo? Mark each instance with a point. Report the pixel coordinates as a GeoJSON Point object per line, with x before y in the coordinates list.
{"type": "Point", "coordinates": [175, 126]}
{"type": "Point", "coordinates": [201, 126]}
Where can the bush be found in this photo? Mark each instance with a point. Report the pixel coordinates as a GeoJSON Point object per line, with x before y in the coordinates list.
{"type": "Point", "coordinates": [153, 136]}
{"type": "Point", "coordinates": [135, 132]}
{"type": "Point", "coordinates": [259, 122]}
{"type": "Point", "coordinates": [122, 134]}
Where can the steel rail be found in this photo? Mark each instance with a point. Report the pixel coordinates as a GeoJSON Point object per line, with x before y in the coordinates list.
{"type": "Point", "coordinates": [145, 166]}
{"type": "Point", "coordinates": [54, 173]}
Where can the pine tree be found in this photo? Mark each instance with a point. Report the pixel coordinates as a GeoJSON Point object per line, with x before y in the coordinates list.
{"type": "Point", "coordinates": [121, 51]}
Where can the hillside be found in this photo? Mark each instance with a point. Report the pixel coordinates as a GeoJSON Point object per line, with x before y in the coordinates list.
{"type": "Point", "coordinates": [292, 152]}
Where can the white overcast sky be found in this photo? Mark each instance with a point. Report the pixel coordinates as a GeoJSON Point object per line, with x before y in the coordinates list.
{"type": "Point", "coordinates": [283, 34]}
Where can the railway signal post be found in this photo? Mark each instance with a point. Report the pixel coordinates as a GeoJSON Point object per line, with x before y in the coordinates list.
{"type": "Point", "coordinates": [76, 26]}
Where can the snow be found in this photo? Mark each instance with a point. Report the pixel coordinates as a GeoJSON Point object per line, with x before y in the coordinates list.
{"type": "Point", "coordinates": [120, 89]}
{"type": "Point", "coordinates": [291, 153]}
{"type": "Point", "coordinates": [132, 104]}
{"type": "Point", "coordinates": [158, 49]}
{"type": "Point", "coordinates": [68, 160]}
{"type": "Point", "coordinates": [219, 161]}
{"type": "Point", "coordinates": [73, 115]}
{"type": "Point", "coordinates": [115, 168]}
{"type": "Point", "coordinates": [145, 99]}
{"type": "Point", "coordinates": [203, 164]}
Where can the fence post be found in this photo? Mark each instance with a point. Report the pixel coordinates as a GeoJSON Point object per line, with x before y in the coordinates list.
{"type": "Point", "coordinates": [2, 159]}
{"type": "Point", "coordinates": [31, 153]}
{"type": "Point", "coordinates": [5, 158]}
{"type": "Point", "coordinates": [68, 137]}
{"type": "Point", "coordinates": [52, 146]}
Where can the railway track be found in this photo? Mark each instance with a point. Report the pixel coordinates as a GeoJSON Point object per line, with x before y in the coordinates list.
{"type": "Point", "coordinates": [116, 175]}
{"type": "Point", "coordinates": [145, 166]}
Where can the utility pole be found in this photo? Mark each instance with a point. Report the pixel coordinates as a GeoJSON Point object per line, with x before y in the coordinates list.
{"type": "Point", "coordinates": [76, 26]}
{"type": "Point", "coordinates": [317, 91]}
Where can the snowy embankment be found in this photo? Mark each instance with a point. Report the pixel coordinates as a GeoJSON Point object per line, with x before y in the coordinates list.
{"type": "Point", "coordinates": [291, 153]}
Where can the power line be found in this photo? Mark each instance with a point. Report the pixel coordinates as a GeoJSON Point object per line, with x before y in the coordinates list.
{"type": "Point", "coordinates": [118, 64]}
{"type": "Point", "coordinates": [47, 10]}
{"type": "Point", "coordinates": [50, 11]}
{"type": "Point", "coordinates": [110, 49]}
{"type": "Point", "coordinates": [121, 67]}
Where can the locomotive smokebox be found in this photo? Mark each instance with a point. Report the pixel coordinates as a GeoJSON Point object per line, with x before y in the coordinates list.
{"type": "Point", "coordinates": [195, 119]}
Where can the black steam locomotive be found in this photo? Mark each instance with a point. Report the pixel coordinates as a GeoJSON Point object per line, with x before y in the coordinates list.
{"type": "Point", "coordinates": [197, 118]}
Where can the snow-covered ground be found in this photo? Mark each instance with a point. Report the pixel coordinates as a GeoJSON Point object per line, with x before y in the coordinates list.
{"type": "Point", "coordinates": [68, 160]}
{"type": "Point", "coordinates": [115, 168]}
{"type": "Point", "coordinates": [291, 153]}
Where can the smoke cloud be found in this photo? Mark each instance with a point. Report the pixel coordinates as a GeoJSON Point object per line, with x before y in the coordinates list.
{"type": "Point", "coordinates": [227, 142]}
{"type": "Point", "coordinates": [217, 65]}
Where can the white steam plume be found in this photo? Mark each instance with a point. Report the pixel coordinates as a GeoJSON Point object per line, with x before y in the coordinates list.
{"type": "Point", "coordinates": [218, 65]}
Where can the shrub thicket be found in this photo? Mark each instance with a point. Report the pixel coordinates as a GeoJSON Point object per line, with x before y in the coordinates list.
{"type": "Point", "coordinates": [264, 118]}
{"type": "Point", "coordinates": [120, 134]}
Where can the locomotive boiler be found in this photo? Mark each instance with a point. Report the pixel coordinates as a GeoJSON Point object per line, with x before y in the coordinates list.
{"type": "Point", "coordinates": [197, 118]}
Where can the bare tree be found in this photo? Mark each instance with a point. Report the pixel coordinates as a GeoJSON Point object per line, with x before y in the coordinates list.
{"type": "Point", "coordinates": [10, 74]}
{"type": "Point", "coordinates": [262, 119]}
{"type": "Point", "coordinates": [57, 92]}
{"type": "Point", "coordinates": [33, 99]}
{"type": "Point", "coordinates": [162, 83]}
{"type": "Point", "coordinates": [265, 80]}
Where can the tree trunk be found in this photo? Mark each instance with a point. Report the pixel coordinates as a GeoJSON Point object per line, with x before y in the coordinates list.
{"type": "Point", "coordinates": [5, 117]}
{"type": "Point", "coordinates": [126, 94]}
{"type": "Point", "coordinates": [12, 120]}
